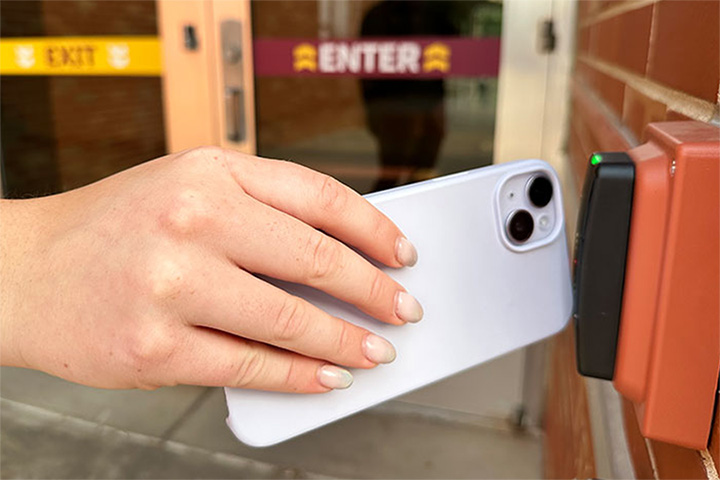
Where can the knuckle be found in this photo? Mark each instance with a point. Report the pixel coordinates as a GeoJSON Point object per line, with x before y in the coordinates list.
{"type": "Point", "coordinates": [204, 153]}
{"type": "Point", "coordinates": [250, 368]}
{"type": "Point", "coordinates": [290, 321]}
{"type": "Point", "coordinates": [333, 196]}
{"type": "Point", "coordinates": [377, 287]}
{"type": "Point", "coordinates": [293, 377]}
{"type": "Point", "coordinates": [344, 344]}
{"type": "Point", "coordinates": [324, 255]}
{"type": "Point", "coordinates": [199, 161]}
{"type": "Point", "coordinates": [166, 277]}
{"type": "Point", "coordinates": [380, 226]}
{"type": "Point", "coordinates": [187, 212]}
{"type": "Point", "coordinates": [149, 348]}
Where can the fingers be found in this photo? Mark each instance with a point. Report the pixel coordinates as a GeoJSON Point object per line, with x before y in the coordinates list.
{"type": "Point", "coordinates": [326, 204]}
{"type": "Point", "coordinates": [278, 245]}
{"type": "Point", "coordinates": [216, 359]}
{"type": "Point", "coordinates": [236, 302]}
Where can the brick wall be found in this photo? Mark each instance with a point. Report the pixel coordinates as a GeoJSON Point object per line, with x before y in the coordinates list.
{"type": "Point", "coordinates": [62, 132]}
{"type": "Point", "coordinates": [637, 62]}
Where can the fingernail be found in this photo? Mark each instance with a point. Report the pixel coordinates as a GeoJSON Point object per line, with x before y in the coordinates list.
{"type": "Point", "coordinates": [405, 252]}
{"type": "Point", "coordinates": [407, 308]}
{"type": "Point", "coordinates": [334, 377]}
{"type": "Point", "coordinates": [378, 350]}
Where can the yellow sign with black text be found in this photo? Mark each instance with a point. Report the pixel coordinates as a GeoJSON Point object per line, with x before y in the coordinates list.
{"type": "Point", "coordinates": [133, 56]}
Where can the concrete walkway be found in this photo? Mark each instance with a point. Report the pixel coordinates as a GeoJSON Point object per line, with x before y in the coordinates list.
{"type": "Point", "coordinates": [55, 429]}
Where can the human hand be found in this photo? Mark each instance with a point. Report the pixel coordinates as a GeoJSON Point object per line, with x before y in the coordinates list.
{"type": "Point", "coordinates": [147, 278]}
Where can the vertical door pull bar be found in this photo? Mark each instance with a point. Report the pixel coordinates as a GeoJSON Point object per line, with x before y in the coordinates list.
{"type": "Point", "coordinates": [232, 65]}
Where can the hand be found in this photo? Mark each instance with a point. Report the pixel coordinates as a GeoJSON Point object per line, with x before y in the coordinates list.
{"type": "Point", "coordinates": [146, 278]}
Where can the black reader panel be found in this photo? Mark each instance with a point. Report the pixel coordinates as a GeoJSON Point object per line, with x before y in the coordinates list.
{"type": "Point", "coordinates": [601, 244]}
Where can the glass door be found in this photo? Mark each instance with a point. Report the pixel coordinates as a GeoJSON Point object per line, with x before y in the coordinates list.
{"type": "Point", "coordinates": [80, 92]}
{"type": "Point", "coordinates": [377, 93]}
{"type": "Point", "coordinates": [380, 94]}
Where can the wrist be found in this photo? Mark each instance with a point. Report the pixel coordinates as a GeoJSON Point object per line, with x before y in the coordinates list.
{"type": "Point", "coordinates": [19, 221]}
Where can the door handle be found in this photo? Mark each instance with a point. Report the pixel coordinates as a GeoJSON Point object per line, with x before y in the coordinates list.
{"type": "Point", "coordinates": [232, 71]}
{"type": "Point", "coordinates": [234, 114]}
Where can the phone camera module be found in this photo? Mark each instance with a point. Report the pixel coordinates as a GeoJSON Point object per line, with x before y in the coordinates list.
{"type": "Point", "coordinates": [540, 191]}
{"type": "Point", "coordinates": [520, 226]}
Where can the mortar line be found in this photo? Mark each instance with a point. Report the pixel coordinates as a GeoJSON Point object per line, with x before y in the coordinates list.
{"type": "Point", "coordinates": [652, 38]}
{"type": "Point", "coordinates": [651, 454]}
{"type": "Point", "coordinates": [615, 11]}
{"type": "Point", "coordinates": [681, 102]}
{"type": "Point", "coordinates": [709, 464]}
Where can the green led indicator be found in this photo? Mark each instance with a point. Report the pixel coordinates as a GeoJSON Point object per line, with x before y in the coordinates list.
{"type": "Point", "coordinates": [595, 159]}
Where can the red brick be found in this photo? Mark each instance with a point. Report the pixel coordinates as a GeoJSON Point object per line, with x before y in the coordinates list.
{"type": "Point", "coordinates": [104, 125]}
{"type": "Point", "coordinates": [673, 116]}
{"type": "Point", "coordinates": [592, 8]}
{"type": "Point", "coordinates": [578, 157]}
{"type": "Point", "coordinates": [612, 91]}
{"type": "Point", "coordinates": [639, 110]}
{"type": "Point", "coordinates": [603, 129]}
{"type": "Point", "coordinates": [672, 461]}
{"type": "Point", "coordinates": [584, 72]}
{"type": "Point", "coordinates": [584, 40]}
{"type": "Point", "coordinates": [99, 17]}
{"type": "Point", "coordinates": [714, 447]}
{"type": "Point", "coordinates": [609, 89]}
{"type": "Point", "coordinates": [568, 439]}
{"type": "Point", "coordinates": [28, 136]}
{"type": "Point", "coordinates": [636, 443]}
{"type": "Point", "coordinates": [584, 131]}
{"type": "Point", "coordinates": [684, 52]}
{"type": "Point", "coordinates": [84, 128]}
{"type": "Point", "coordinates": [608, 4]}
{"type": "Point", "coordinates": [285, 19]}
{"type": "Point", "coordinates": [623, 40]}
{"type": "Point", "coordinates": [21, 19]}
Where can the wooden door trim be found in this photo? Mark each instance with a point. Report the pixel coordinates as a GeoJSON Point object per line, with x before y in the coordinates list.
{"type": "Point", "coordinates": [193, 92]}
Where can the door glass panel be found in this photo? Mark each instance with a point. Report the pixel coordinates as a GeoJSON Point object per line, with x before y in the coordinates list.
{"type": "Point", "coordinates": [377, 93]}
{"type": "Point", "coordinates": [63, 131]}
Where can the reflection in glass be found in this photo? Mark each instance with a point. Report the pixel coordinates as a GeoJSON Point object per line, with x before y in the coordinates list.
{"type": "Point", "coordinates": [60, 132]}
{"type": "Point", "coordinates": [407, 117]}
{"type": "Point", "coordinates": [376, 133]}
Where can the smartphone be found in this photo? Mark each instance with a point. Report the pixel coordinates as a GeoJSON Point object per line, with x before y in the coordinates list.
{"type": "Point", "coordinates": [493, 275]}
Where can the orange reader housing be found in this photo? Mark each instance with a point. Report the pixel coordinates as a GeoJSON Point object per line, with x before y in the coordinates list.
{"type": "Point", "coordinates": [668, 350]}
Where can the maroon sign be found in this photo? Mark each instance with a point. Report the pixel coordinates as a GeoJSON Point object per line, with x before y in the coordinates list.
{"type": "Point", "coordinates": [398, 57]}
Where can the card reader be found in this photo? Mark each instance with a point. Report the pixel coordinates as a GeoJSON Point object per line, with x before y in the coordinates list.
{"type": "Point", "coordinates": [601, 244]}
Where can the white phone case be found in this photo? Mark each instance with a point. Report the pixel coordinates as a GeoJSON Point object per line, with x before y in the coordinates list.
{"type": "Point", "coordinates": [483, 297]}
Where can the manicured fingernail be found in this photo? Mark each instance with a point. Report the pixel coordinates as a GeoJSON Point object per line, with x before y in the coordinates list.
{"type": "Point", "coordinates": [334, 377]}
{"type": "Point", "coordinates": [378, 350]}
{"type": "Point", "coordinates": [407, 308]}
{"type": "Point", "coordinates": [405, 252]}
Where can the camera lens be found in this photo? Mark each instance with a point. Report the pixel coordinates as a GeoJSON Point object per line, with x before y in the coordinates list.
{"type": "Point", "coordinates": [520, 226]}
{"type": "Point", "coordinates": [540, 191]}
